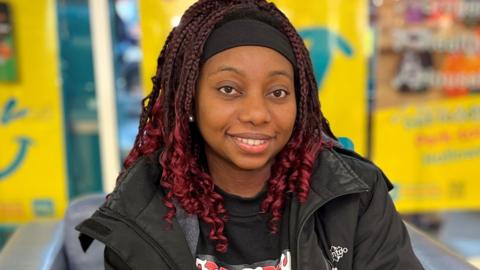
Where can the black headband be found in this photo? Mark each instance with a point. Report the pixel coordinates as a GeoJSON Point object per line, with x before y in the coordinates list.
{"type": "Point", "coordinates": [247, 32]}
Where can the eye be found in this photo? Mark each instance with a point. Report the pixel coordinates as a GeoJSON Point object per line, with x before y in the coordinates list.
{"type": "Point", "coordinates": [279, 93]}
{"type": "Point", "coordinates": [228, 90]}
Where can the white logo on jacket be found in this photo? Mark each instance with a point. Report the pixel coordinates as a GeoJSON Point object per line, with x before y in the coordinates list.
{"type": "Point", "coordinates": [337, 252]}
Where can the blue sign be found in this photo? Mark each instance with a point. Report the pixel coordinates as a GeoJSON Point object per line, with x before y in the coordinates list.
{"type": "Point", "coordinates": [324, 42]}
{"type": "Point", "coordinates": [9, 114]}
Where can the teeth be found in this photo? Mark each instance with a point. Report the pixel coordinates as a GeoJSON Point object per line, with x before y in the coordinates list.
{"type": "Point", "coordinates": [250, 141]}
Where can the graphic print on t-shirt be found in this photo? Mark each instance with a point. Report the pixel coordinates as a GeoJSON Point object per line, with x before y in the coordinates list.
{"type": "Point", "coordinates": [207, 262]}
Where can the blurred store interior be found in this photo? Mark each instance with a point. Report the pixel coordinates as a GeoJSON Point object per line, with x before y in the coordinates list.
{"type": "Point", "coordinates": [399, 81]}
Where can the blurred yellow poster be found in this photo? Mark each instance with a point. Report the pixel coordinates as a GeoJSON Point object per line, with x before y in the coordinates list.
{"type": "Point", "coordinates": [427, 117]}
{"type": "Point", "coordinates": [335, 33]}
{"type": "Point", "coordinates": [32, 165]}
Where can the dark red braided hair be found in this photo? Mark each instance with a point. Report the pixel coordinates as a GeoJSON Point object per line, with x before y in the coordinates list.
{"type": "Point", "coordinates": [164, 120]}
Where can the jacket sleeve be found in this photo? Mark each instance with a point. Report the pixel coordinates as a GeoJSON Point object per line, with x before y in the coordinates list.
{"type": "Point", "coordinates": [382, 240]}
{"type": "Point", "coordinates": [113, 261]}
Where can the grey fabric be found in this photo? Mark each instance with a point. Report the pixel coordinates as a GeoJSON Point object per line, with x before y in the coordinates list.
{"type": "Point", "coordinates": [79, 210]}
{"type": "Point", "coordinates": [190, 227]}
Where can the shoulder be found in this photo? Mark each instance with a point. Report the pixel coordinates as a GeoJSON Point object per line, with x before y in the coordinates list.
{"type": "Point", "coordinates": [136, 186]}
{"type": "Point", "coordinates": [146, 165]}
{"type": "Point", "coordinates": [364, 168]}
{"type": "Point", "coordinates": [336, 166]}
{"type": "Point", "coordinates": [339, 171]}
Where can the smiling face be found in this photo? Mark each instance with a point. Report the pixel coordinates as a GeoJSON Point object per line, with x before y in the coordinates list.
{"type": "Point", "coordinates": [245, 107]}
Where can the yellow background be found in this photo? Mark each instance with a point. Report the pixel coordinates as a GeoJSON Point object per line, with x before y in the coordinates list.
{"type": "Point", "coordinates": [42, 174]}
{"type": "Point", "coordinates": [343, 96]}
{"type": "Point", "coordinates": [406, 139]}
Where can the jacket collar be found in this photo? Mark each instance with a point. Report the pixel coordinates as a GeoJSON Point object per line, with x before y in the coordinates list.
{"type": "Point", "coordinates": [333, 176]}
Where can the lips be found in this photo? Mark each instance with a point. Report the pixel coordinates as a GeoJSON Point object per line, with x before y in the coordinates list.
{"type": "Point", "coordinates": [252, 143]}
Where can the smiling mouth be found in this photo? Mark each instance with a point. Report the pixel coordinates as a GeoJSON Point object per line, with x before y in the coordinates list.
{"type": "Point", "coordinates": [250, 145]}
{"type": "Point", "coordinates": [251, 142]}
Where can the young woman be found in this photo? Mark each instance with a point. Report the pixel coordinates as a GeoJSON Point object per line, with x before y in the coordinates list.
{"type": "Point", "coordinates": [234, 165]}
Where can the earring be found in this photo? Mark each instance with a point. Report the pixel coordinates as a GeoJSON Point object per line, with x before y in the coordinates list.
{"type": "Point", "coordinates": [191, 119]}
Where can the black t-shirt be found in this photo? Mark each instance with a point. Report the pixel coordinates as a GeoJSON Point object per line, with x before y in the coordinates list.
{"type": "Point", "coordinates": [251, 244]}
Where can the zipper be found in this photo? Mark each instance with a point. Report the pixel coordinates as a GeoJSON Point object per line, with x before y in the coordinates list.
{"type": "Point", "coordinates": [140, 232]}
{"type": "Point", "coordinates": [329, 264]}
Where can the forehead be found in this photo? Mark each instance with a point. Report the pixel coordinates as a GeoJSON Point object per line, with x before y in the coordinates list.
{"type": "Point", "coordinates": [248, 59]}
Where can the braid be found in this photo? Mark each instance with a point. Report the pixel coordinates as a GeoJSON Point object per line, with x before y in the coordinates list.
{"type": "Point", "coordinates": [164, 122]}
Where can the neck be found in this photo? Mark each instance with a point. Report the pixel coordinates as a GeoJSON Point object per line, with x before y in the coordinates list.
{"type": "Point", "coordinates": [242, 183]}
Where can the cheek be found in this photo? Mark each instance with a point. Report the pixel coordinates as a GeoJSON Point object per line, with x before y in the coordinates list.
{"type": "Point", "coordinates": [212, 117]}
{"type": "Point", "coordinates": [286, 118]}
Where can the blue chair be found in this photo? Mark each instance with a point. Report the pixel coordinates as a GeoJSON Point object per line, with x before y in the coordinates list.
{"type": "Point", "coordinates": [53, 244]}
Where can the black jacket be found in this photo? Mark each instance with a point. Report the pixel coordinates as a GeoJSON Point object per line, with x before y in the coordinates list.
{"type": "Point", "coordinates": [348, 222]}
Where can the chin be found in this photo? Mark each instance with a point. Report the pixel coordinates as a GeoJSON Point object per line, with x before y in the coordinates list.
{"type": "Point", "coordinates": [252, 164]}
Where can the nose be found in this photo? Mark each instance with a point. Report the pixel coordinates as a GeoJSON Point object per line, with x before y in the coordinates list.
{"type": "Point", "coordinates": [254, 109]}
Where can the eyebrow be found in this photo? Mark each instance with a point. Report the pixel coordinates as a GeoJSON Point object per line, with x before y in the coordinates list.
{"type": "Point", "coordinates": [235, 70]}
{"type": "Point", "coordinates": [281, 73]}
{"type": "Point", "coordinates": [226, 68]}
